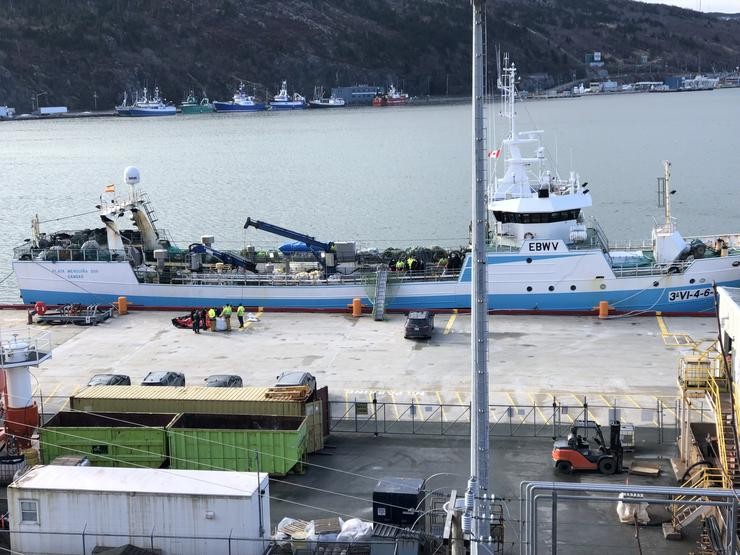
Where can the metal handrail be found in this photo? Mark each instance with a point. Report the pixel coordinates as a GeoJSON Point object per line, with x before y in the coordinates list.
{"type": "Point", "coordinates": [716, 387]}
{"type": "Point", "coordinates": [705, 477]}
{"type": "Point", "coordinates": [69, 254]}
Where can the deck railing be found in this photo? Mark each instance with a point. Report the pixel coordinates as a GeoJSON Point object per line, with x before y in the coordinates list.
{"type": "Point", "coordinates": [358, 278]}
{"type": "Point", "coordinates": [64, 255]}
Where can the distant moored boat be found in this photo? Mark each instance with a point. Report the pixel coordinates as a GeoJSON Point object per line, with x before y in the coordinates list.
{"type": "Point", "coordinates": [391, 98]}
{"type": "Point", "coordinates": [145, 106]}
{"type": "Point", "coordinates": [283, 101]}
{"type": "Point", "coordinates": [192, 106]}
{"type": "Point", "coordinates": [319, 101]}
{"type": "Point", "coordinates": [241, 102]}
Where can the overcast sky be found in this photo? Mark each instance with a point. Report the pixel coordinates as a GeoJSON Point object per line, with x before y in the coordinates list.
{"type": "Point", "coordinates": [726, 6]}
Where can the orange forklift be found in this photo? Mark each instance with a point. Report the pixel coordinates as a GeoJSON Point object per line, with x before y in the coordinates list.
{"type": "Point", "coordinates": [577, 452]}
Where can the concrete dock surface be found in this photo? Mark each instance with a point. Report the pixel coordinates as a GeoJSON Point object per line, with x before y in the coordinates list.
{"type": "Point", "coordinates": [629, 362]}
{"type": "Point", "coordinates": [618, 362]}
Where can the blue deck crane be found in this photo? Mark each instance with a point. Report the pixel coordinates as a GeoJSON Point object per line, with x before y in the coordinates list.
{"type": "Point", "coordinates": [314, 246]}
{"type": "Point", "coordinates": [225, 257]}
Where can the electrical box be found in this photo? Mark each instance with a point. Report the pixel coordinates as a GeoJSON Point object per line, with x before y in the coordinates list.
{"type": "Point", "coordinates": [345, 251]}
{"type": "Point", "coordinates": [627, 437]}
{"type": "Point", "coordinates": [398, 501]}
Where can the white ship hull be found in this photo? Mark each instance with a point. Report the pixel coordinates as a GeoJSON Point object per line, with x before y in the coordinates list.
{"type": "Point", "coordinates": [564, 282]}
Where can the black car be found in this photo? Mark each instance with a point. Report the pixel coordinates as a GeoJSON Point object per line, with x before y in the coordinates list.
{"type": "Point", "coordinates": [224, 380]}
{"type": "Point", "coordinates": [109, 379]}
{"type": "Point", "coordinates": [419, 325]}
{"type": "Point", "coordinates": [294, 378]}
{"type": "Point", "coordinates": [164, 378]}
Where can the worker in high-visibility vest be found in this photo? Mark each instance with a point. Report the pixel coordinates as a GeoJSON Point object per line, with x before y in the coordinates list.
{"type": "Point", "coordinates": [400, 265]}
{"type": "Point", "coordinates": [226, 315]}
{"type": "Point", "coordinates": [212, 318]}
{"type": "Point", "coordinates": [240, 314]}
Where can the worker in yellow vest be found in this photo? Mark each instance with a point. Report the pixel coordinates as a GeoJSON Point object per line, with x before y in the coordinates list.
{"type": "Point", "coordinates": [212, 318]}
{"type": "Point", "coordinates": [226, 315]}
{"type": "Point", "coordinates": [240, 315]}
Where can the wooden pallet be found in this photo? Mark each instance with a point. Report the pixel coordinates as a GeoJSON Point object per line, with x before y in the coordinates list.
{"type": "Point", "coordinates": [296, 529]}
{"type": "Point", "coordinates": [294, 393]}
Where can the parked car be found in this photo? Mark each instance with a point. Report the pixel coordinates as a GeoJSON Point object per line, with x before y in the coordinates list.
{"type": "Point", "coordinates": [419, 325]}
{"type": "Point", "coordinates": [109, 379]}
{"type": "Point", "coordinates": [224, 380]}
{"type": "Point", "coordinates": [294, 378]}
{"type": "Point", "coordinates": [164, 378]}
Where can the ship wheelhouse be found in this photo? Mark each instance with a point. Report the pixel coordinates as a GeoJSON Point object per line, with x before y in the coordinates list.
{"type": "Point", "coordinates": [536, 217]}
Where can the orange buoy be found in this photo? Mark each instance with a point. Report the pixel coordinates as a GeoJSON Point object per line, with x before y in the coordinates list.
{"type": "Point", "coordinates": [356, 307]}
{"type": "Point", "coordinates": [603, 310]}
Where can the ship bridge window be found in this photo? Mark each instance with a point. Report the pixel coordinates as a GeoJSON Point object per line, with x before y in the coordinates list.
{"type": "Point", "coordinates": [536, 217]}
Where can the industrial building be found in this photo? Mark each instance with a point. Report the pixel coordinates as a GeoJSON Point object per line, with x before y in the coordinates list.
{"type": "Point", "coordinates": [729, 318]}
{"type": "Point", "coordinates": [358, 94]}
{"type": "Point", "coordinates": [78, 509]}
{"type": "Point", "coordinates": [709, 450]}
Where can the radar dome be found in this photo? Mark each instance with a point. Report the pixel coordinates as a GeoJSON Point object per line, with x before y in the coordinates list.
{"type": "Point", "coordinates": [131, 175]}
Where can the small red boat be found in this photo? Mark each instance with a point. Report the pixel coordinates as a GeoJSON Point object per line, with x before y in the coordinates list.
{"type": "Point", "coordinates": [391, 98]}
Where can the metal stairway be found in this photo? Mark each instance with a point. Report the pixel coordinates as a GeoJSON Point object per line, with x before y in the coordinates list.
{"type": "Point", "coordinates": [147, 204]}
{"type": "Point", "coordinates": [709, 376]}
{"type": "Point", "coordinates": [683, 513]}
{"type": "Point", "coordinates": [381, 286]}
{"type": "Point", "coordinates": [722, 404]}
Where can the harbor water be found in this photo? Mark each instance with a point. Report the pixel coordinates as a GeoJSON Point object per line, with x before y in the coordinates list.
{"type": "Point", "coordinates": [394, 176]}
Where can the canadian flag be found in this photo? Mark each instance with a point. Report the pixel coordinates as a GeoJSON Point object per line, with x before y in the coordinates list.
{"type": "Point", "coordinates": [494, 153]}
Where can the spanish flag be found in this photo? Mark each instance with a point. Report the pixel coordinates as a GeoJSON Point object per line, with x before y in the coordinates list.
{"type": "Point", "coordinates": [110, 188]}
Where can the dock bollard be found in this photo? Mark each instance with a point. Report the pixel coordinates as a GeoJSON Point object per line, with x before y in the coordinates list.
{"type": "Point", "coordinates": [603, 310]}
{"type": "Point", "coordinates": [356, 307]}
{"type": "Point", "coordinates": [122, 305]}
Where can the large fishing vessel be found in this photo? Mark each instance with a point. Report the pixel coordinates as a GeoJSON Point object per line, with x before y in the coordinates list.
{"type": "Point", "coordinates": [543, 256]}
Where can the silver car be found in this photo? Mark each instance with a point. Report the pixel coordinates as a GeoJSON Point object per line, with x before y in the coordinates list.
{"type": "Point", "coordinates": [294, 378]}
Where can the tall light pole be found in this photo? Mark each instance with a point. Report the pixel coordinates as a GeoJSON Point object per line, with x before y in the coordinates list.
{"type": "Point", "coordinates": [38, 95]}
{"type": "Point", "coordinates": [479, 441]}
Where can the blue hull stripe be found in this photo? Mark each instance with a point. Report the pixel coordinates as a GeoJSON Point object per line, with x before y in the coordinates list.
{"type": "Point", "coordinates": [219, 107]}
{"type": "Point", "coordinates": [649, 301]}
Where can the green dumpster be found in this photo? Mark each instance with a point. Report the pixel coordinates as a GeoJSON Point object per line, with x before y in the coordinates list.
{"type": "Point", "coordinates": [107, 439]}
{"type": "Point", "coordinates": [273, 444]}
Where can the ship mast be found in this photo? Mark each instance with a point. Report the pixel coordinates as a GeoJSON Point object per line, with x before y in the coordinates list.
{"type": "Point", "coordinates": [667, 193]}
{"type": "Point", "coordinates": [479, 442]}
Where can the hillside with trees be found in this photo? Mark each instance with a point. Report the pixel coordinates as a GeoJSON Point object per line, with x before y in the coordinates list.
{"type": "Point", "coordinates": [85, 53]}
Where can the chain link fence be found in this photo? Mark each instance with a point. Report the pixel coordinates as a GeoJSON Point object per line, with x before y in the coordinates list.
{"type": "Point", "coordinates": [535, 420]}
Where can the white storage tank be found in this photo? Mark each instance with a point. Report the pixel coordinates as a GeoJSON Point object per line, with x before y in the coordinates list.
{"type": "Point", "coordinates": [188, 512]}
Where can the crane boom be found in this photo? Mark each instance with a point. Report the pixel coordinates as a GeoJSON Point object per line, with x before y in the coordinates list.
{"type": "Point", "coordinates": [311, 242]}
{"type": "Point", "coordinates": [225, 257]}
